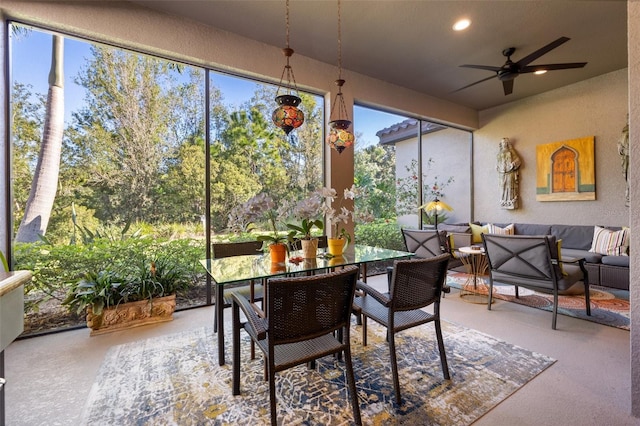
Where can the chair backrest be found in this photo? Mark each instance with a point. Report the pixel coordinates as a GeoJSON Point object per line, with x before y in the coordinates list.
{"type": "Point", "coordinates": [425, 243]}
{"type": "Point", "coordinates": [416, 283]}
{"type": "Point", "coordinates": [522, 258]}
{"type": "Point", "coordinates": [235, 249]}
{"type": "Point", "coordinates": [301, 308]}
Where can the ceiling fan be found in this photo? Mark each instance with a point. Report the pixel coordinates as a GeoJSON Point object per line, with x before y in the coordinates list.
{"type": "Point", "coordinates": [510, 70]}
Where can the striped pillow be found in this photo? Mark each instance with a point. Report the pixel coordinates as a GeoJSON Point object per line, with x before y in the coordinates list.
{"type": "Point", "coordinates": [507, 230]}
{"type": "Point", "coordinates": [610, 243]}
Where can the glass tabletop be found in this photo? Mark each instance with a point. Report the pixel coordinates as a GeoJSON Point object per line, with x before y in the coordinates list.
{"type": "Point", "coordinates": [242, 268]}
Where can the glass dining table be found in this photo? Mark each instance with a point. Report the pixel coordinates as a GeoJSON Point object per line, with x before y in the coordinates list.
{"type": "Point", "coordinates": [250, 268]}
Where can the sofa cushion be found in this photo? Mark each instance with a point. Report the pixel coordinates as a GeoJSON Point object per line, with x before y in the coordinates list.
{"type": "Point", "coordinates": [574, 236]}
{"type": "Point", "coordinates": [616, 260]}
{"type": "Point", "coordinates": [588, 256]}
{"type": "Point", "coordinates": [532, 229]}
{"type": "Point", "coordinates": [463, 229]}
{"type": "Point", "coordinates": [610, 243]}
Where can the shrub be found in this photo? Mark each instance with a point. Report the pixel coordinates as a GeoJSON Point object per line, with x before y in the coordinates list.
{"type": "Point", "coordinates": [383, 233]}
{"type": "Point", "coordinates": [58, 268]}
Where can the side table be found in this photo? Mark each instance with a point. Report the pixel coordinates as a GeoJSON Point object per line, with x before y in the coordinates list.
{"type": "Point", "coordinates": [475, 289]}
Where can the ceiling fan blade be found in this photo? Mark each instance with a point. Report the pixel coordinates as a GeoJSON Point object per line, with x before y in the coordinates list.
{"type": "Point", "coordinates": [482, 67]}
{"type": "Point", "coordinates": [535, 55]}
{"type": "Point", "coordinates": [508, 87]}
{"type": "Point", "coordinates": [473, 84]}
{"type": "Point", "coordinates": [551, 67]}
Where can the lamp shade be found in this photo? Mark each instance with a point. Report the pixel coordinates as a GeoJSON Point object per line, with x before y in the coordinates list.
{"type": "Point", "coordinates": [339, 137]}
{"type": "Point", "coordinates": [287, 116]}
{"type": "Point", "coordinates": [436, 206]}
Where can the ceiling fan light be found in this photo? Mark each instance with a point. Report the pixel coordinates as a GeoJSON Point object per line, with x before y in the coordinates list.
{"type": "Point", "coordinates": [540, 72]}
{"type": "Point", "coordinates": [461, 24]}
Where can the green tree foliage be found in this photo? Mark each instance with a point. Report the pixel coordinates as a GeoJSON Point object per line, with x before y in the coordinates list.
{"type": "Point", "coordinates": [27, 120]}
{"type": "Point", "coordinates": [374, 175]}
{"type": "Point", "coordinates": [125, 134]}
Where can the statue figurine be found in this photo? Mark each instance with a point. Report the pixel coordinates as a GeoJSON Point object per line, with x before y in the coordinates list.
{"type": "Point", "coordinates": [623, 150]}
{"type": "Point", "coordinates": [508, 166]}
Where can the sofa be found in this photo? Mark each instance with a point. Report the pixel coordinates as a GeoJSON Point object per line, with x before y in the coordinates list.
{"type": "Point", "coordinates": [605, 249]}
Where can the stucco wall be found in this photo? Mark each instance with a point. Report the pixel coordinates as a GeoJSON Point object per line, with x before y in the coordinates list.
{"type": "Point", "coordinates": [450, 150]}
{"type": "Point", "coordinates": [596, 107]}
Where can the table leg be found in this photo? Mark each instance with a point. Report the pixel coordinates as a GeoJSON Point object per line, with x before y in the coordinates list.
{"type": "Point", "coordinates": [220, 316]}
{"type": "Point", "coordinates": [475, 289]}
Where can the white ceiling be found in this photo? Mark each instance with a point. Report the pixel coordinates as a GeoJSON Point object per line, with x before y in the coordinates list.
{"type": "Point", "coordinates": [411, 43]}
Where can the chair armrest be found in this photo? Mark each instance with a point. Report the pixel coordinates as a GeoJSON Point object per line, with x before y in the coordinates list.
{"type": "Point", "coordinates": [258, 324]}
{"type": "Point", "coordinates": [373, 293]}
{"type": "Point", "coordinates": [580, 261]}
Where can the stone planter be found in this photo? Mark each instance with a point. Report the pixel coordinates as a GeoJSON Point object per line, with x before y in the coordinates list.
{"type": "Point", "coordinates": [132, 314]}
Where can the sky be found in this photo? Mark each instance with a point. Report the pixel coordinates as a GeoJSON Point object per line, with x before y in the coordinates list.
{"type": "Point", "coordinates": [31, 60]}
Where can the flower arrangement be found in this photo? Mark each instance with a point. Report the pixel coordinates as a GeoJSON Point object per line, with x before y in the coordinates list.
{"type": "Point", "coordinates": [307, 211]}
{"type": "Point", "coordinates": [259, 207]}
{"type": "Point", "coordinates": [339, 215]}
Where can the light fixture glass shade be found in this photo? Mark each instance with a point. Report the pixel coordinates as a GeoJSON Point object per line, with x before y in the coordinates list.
{"type": "Point", "coordinates": [436, 206]}
{"type": "Point", "coordinates": [287, 116]}
{"type": "Point", "coordinates": [339, 137]}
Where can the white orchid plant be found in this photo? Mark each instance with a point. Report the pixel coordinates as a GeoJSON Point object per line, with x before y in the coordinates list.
{"type": "Point", "coordinates": [259, 207]}
{"type": "Point", "coordinates": [339, 215]}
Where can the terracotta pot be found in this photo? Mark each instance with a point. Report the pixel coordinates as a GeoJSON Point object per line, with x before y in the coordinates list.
{"type": "Point", "coordinates": [309, 248]}
{"type": "Point", "coordinates": [278, 267]}
{"type": "Point", "coordinates": [337, 246]}
{"type": "Point", "coordinates": [278, 253]}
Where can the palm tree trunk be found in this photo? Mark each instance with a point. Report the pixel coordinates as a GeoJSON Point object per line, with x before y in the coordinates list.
{"type": "Point", "coordinates": [45, 180]}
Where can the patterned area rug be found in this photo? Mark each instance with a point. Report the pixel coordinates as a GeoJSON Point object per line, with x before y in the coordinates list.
{"type": "Point", "coordinates": [609, 306]}
{"type": "Point", "coordinates": [176, 380]}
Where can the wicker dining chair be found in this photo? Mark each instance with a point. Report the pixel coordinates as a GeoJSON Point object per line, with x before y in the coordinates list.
{"type": "Point", "coordinates": [425, 244]}
{"type": "Point", "coordinates": [220, 250]}
{"type": "Point", "coordinates": [306, 318]}
{"type": "Point", "coordinates": [415, 284]}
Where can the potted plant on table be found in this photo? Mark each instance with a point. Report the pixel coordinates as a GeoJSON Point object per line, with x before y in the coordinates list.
{"type": "Point", "coordinates": [115, 300]}
{"type": "Point", "coordinates": [262, 207]}
{"type": "Point", "coordinates": [308, 212]}
{"type": "Point", "coordinates": [337, 217]}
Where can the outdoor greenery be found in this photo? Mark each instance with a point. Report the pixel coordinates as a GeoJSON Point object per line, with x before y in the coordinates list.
{"type": "Point", "coordinates": [58, 268]}
{"type": "Point", "coordinates": [130, 187]}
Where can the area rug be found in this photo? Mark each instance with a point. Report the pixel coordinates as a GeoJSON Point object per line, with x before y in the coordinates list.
{"type": "Point", "coordinates": [609, 306]}
{"type": "Point", "coordinates": [176, 380]}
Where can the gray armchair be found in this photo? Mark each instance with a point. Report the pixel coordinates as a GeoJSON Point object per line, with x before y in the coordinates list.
{"type": "Point", "coordinates": [532, 262]}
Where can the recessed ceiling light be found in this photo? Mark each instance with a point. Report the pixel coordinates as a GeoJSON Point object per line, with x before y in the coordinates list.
{"type": "Point", "coordinates": [462, 24]}
{"type": "Point", "coordinates": [540, 72]}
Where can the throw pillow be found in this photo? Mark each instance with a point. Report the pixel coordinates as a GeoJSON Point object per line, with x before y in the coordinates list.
{"type": "Point", "coordinates": [476, 232]}
{"type": "Point", "coordinates": [610, 243]}
{"type": "Point", "coordinates": [494, 229]}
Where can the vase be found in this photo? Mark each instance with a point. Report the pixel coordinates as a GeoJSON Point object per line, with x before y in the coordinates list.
{"type": "Point", "coordinates": [309, 248]}
{"type": "Point", "coordinates": [131, 314]}
{"type": "Point", "coordinates": [337, 246]}
{"type": "Point", "coordinates": [278, 252]}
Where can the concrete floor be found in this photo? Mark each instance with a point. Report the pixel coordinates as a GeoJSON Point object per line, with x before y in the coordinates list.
{"type": "Point", "coordinates": [49, 377]}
